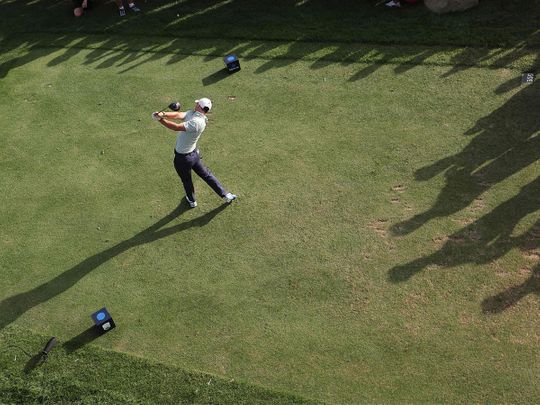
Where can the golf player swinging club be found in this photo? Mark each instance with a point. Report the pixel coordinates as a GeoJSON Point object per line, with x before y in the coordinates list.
{"type": "Point", "coordinates": [186, 154]}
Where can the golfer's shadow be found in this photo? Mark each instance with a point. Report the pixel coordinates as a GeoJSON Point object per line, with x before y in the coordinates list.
{"type": "Point", "coordinates": [13, 307]}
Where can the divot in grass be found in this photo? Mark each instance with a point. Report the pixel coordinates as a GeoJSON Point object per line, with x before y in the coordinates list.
{"type": "Point", "coordinates": [531, 254]}
{"type": "Point", "coordinates": [400, 188]}
{"type": "Point", "coordinates": [380, 227]}
{"type": "Point", "coordinates": [440, 240]}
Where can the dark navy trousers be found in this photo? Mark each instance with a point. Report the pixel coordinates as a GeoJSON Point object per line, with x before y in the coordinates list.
{"type": "Point", "coordinates": [185, 163]}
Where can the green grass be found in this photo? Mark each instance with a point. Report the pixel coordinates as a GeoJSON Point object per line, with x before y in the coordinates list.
{"type": "Point", "coordinates": [384, 247]}
{"type": "Point", "coordinates": [73, 373]}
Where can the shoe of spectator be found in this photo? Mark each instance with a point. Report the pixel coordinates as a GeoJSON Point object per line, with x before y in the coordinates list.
{"type": "Point", "coordinates": [393, 3]}
{"type": "Point", "coordinates": [122, 12]}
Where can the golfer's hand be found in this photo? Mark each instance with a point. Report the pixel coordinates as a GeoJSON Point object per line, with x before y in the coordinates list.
{"type": "Point", "coordinates": [157, 116]}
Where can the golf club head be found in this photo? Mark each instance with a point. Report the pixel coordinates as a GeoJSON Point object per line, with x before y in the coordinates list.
{"type": "Point", "coordinates": [175, 106]}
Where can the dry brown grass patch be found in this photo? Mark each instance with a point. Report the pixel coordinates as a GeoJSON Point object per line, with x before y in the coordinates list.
{"type": "Point", "coordinates": [380, 227]}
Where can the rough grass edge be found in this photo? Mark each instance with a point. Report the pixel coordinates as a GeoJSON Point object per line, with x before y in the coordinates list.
{"type": "Point", "coordinates": [91, 374]}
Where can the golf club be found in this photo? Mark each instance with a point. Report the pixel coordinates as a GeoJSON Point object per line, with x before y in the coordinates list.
{"type": "Point", "coordinates": [174, 106]}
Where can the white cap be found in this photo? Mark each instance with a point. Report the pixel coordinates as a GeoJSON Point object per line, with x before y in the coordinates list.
{"type": "Point", "coordinates": [204, 102]}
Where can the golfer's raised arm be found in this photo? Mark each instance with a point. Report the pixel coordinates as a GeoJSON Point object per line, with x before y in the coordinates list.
{"type": "Point", "coordinates": [172, 125]}
{"type": "Point", "coordinates": [175, 115]}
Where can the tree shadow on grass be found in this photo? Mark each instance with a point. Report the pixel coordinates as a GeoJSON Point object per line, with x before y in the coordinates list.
{"type": "Point", "coordinates": [13, 307]}
{"type": "Point", "coordinates": [254, 30]}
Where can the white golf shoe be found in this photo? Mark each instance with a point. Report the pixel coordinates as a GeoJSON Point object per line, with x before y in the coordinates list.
{"type": "Point", "coordinates": [192, 204]}
{"type": "Point", "coordinates": [229, 197]}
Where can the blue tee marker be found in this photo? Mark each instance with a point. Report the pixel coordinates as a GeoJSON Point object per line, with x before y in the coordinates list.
{"type": "Point", "coordinates": [103, 320]}
{"type": "Point", "coordinates": [232, 63]}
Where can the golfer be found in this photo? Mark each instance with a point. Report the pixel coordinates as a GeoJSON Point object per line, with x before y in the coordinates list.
{"type": "Point", "coordinates": [186, 154]}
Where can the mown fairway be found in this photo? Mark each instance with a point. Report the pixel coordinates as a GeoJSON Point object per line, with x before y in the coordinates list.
{"type": "Point", "coordinates": [384, 246]}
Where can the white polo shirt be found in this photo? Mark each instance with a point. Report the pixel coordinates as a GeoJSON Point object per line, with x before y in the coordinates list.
{"type": "Point", "coordinates": [195, 123]}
